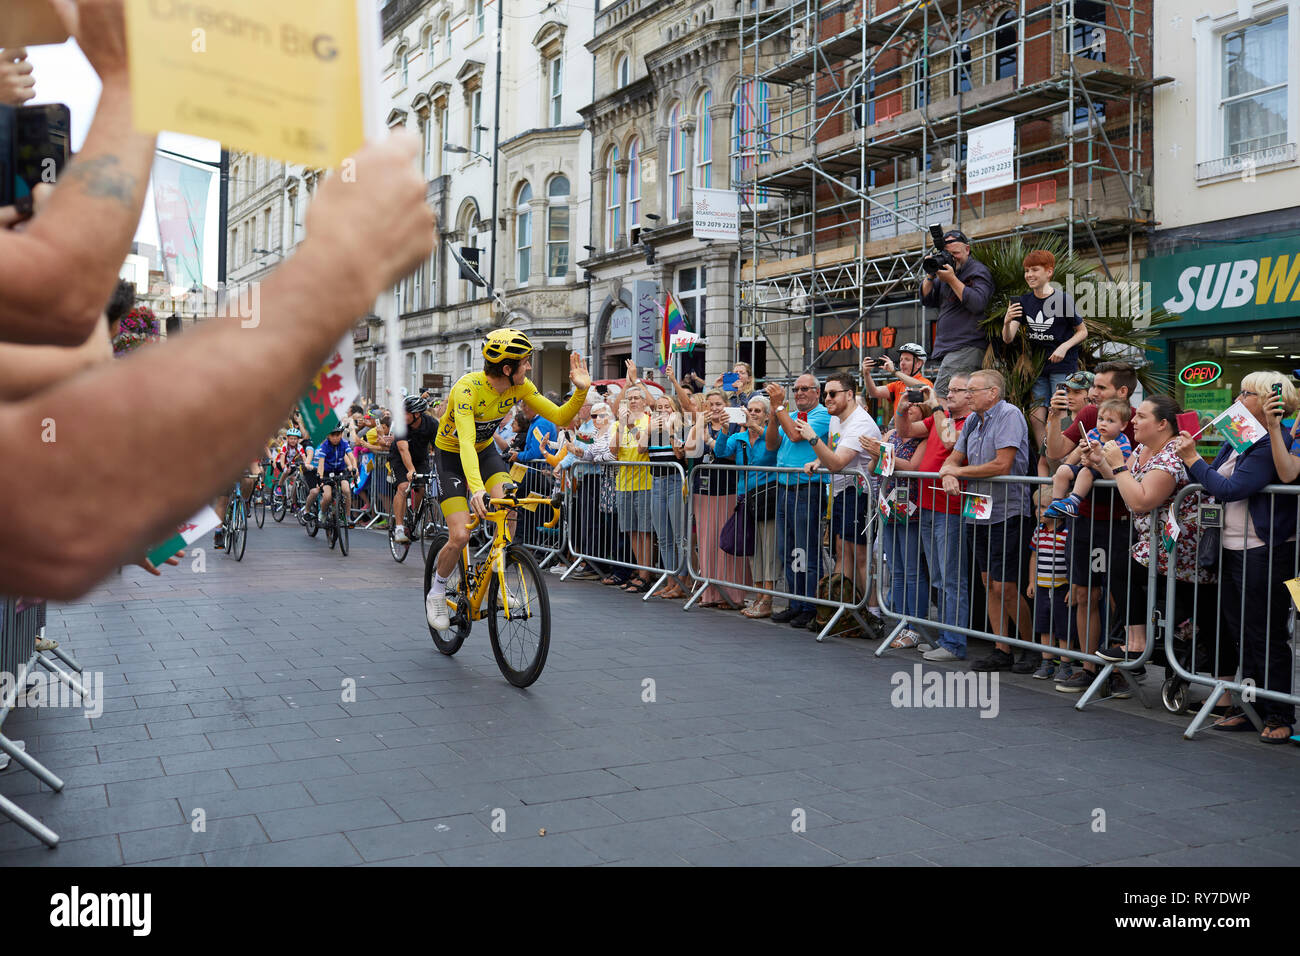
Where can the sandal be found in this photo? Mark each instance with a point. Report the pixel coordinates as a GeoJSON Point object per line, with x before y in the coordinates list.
{"type": "Point", "coordinates": [1276, 723]}
{"type": "Point", "coordinates": [907, 639]}
{"type": "Point", "coordinates": [610, 580]}
{"type": "Point", "coordinates": [1235, 723]}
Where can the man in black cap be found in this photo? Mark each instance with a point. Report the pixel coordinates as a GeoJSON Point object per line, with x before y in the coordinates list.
{"type": "Point", "coordinates": [961, 295]}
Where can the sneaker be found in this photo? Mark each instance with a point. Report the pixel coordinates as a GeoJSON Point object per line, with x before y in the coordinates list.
{"type": "Point", "coordinates": [218, 541]}
{"type": "Point", "coordinates": [1026, 663]}
{"type": "Point", "coordinates": [801, 619]}
{"type": "Point", "coordinates": [435, 610]}
{"type": "Point", "coordinates": [786, 616]}
{"type": "Point", "coordinates": [1118, 687]}
{"type": "Point", "coordinates": [1046, 670]}
{"type": "Point", "coordinates": [1065, 669]}
{"type": "Point", "coordinates": [926, 646]}
{"type": "Point", "coordinates": [399, 535]}
{"type": "Point", "coordinates": [997, 661]}
{"type": "Point", "coordinates": [941, 654]}
{"type": "Point", "coordinates": [557, 569]}
{"type": "Point", "coordinates": [1076, 683]}
{"type": "Point", "coordinates": [1114, 653]}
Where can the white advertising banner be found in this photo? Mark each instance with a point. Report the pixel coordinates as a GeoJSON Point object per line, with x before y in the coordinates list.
{"type": "Point", "coordinates": [991, 156]}
{"type": "Point", "coordinates": [715, 214]}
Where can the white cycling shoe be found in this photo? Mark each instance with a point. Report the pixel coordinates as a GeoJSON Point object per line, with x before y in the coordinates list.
{"type": "Point", "coordinates": [435, 611]}
{"type": "Point", "coordinates": [399, 535]}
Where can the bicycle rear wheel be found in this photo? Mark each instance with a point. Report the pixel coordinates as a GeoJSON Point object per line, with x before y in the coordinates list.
{"type": "Point", "coordinates": [341, 522]}
{"type": "Point", "coordinates": [240, 531]}
{"type": "Point", "coordinates": [259, 502]}
{"type": "Point", "coordinates": [311, 518]}
{"type": "Point", "coordinates": [519, 618]}
{"type": "Point", "coordinates": [279, 499]}
{"type": "Point", "coordinates": [457, 599]}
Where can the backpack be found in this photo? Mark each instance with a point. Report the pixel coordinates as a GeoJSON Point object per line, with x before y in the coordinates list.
{"type": "Point", "coordinates": [837, 587]}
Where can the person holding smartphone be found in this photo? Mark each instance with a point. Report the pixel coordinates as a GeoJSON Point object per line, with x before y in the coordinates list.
{"type": "Point", "coordinates": [907, 374]}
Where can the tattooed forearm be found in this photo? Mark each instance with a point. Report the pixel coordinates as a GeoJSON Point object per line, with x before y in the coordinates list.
{"type": "Point", "coordinates": [102, 177]}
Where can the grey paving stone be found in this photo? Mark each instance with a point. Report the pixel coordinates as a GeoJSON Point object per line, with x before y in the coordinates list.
{"type": "Point", "coordinates": [765, 788]}
{"type": "Point", "coordinates": [565, 786]}
{"type": "Point", "coordinates": [213, 759]}
{"type": "Point", "coordinates": [94, 851]}
{"type": "Point", "coordinates": [778, 850]}
{"type": "Point", "coordinates": [424, 836]}
{"type": "Point", "coordinates": [163, 842]}
{"type": "Point", "coordinates": [431, 755]}
{"type": "Point", "coordinates": [238, 803]}
{"type": "Point", "coordinates": [290, 824]}
{"type": "Point", "coordinates": [692, 770]}
{"type": "Point", "coordinates": [525, 822]}
{"type": "Point", "coordinates": [331, 849]}
{"type": "Point", "coordinates": [313, 768]}
{"type": "Point", "coordinates": [766, 819]}
{"type": "Point", "coordinates": [627, 840]}
{"type": "Point", "coordinates": [353, 786]}
{"type": "Point", "coordinates": [1000, 851]}
{"type": "Point", "coordinates": [552, 850]}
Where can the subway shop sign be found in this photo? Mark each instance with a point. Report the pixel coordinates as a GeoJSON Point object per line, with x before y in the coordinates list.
{"type": "Point", "coordinates": [1228, 282]}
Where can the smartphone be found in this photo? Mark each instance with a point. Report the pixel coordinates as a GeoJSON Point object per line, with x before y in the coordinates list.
{"type": "Point", "coordinates": [803, 416]}
{"type": "Point", "coordinates": [915, 396]}
{"type": "Point", "coordinates": [869, 361]}
{"type": "Point", "coordinates": [1189, 422]}
{"type": "Point", "coordinates": [35, 144]}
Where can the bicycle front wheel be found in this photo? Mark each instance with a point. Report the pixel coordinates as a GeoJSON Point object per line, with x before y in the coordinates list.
{"type": "Point", "coordinates": [259, 503]}
{"type": "Point", "coordinates": [519, 618]}
{"type": "Point", "coordinates": [240, 530]}
{"type": "Point", "coordinates": [398, 549]}
{"type": "Point", "coordinates": [341, 519]}
{"type": "Point", "coordinates": [279, 499]}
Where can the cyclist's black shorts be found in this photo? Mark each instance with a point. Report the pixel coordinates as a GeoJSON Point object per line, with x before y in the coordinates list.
{"type": "Point", "coordinates": [452, 486]}
{"type": "Point", "coordinates": [309, 476]}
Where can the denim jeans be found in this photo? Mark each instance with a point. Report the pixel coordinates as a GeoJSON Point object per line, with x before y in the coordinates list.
{"type": "Point", "coordinates": [945, 557]}
{"type": "Point", "coordinates": [666, 515]}
{"type": "Point", "coordinates": [909, 584]}
{"type": "Point", "coordinates": [798, 539]}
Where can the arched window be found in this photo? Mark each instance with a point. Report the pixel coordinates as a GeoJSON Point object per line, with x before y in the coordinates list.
{"type": "Point", "coordinates": [431, 45]}
{"type": "Point", "coordinates": [428, 360]}
{"type": "Point", "coordinates": [523, 234]}
{"type": "Point", "coordinates": [464, 356]}
{"type": "Point", "coordinates": [480, 23]}
{"type": "Point", "coordinates": [961, 57]}
{"type": "Point", "coordinates": [704, 141]}
{"type": "Point", "coordinates": [623, 70]}
{"type": "Point", "coordinates": [750, 140]}
{"type": "Point", "coordinates": [614, 198]}
{"type": "Point", "coordinates": [557, 228]}
{"type": "Point", "coordinates": [404, 65]}
{"type": "Point", "coordinates": [1006, 39]}
{"type": "Point", "coordinates": [676, 163]}
{"type": "Point", "coordinates": [633, 184]}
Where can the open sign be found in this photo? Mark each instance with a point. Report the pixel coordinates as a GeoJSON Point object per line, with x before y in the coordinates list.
{"type": "Point", "coordinates": [1200, 373]}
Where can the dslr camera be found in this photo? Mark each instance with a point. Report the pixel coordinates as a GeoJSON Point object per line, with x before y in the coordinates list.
{"type": "Point", "coordinates": [940, 257]}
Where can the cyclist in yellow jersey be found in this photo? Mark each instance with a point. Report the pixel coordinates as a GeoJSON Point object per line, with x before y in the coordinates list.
{"type": "Point", "coordinates": [468, 464]}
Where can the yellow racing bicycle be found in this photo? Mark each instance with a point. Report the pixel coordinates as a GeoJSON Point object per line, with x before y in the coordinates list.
{"type": "Point", "coordinates": [506, 587]}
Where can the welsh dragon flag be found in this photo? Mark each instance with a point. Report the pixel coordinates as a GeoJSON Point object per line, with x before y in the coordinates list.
{"type": "Point", "coordinates": [186, 534]}
{"type": "Point", "coordinates": [331, 391]}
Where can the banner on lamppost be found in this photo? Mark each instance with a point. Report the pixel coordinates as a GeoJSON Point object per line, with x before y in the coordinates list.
{"type": "Point", "coordinates": [991, 156]}
{"type": "Point", "coordinates": [715, 214]}
{"type": "Point", "coordinates": [180, 199]}
{"type": "Point", "coordinates": [646, 324]}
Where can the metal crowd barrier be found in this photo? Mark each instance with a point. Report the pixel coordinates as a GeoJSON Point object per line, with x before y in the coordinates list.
{"type": "Point", "coordinates": [544, 543]}
{"type": "Point", "coordinates": [1254, 616]}
{"type": "Point", "coordinates": [812, 535]}
{"type": "Point", "coordinates": [966, 554]}
{"type": "Point", "coordinates": [22, 622]}
{"type": "Point", "coordinates": [595, 522]}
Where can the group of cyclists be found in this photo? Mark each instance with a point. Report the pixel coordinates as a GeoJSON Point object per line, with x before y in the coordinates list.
{"type": "Point", "coordinates": [456, 447]}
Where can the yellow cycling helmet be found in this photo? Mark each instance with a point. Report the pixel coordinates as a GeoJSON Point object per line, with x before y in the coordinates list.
{"type": "Point", "coordinates": [502, 344]}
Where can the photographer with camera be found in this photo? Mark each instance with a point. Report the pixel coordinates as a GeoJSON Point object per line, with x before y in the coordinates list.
{"type": "Point", "coordinates": [960, 287]}
{"type": "Point", "coordinates": [907, 375]}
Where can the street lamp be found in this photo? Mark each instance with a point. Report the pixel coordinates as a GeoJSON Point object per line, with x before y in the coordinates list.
{"type": "Point", "coordinates": [453, 148]}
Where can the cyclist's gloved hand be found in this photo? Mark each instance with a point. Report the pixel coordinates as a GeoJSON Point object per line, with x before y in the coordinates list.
{"type": "Point", "coordinates": [478, 503]}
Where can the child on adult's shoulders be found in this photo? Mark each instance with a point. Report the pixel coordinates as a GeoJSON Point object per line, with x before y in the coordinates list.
{"type": "Point", "coordinates": [1112, 416]}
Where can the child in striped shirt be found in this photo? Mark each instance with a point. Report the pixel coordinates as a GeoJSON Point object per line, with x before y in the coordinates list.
{"type": "Point", "coordinates": [1050, 584]}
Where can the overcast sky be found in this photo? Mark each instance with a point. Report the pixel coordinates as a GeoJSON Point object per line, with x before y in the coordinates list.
{"type": "Point", "coordinates": [63, 75]}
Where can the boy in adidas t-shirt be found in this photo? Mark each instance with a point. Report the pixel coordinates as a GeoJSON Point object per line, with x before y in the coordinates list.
{"type": "Point", "coordinates": [1053, 328]}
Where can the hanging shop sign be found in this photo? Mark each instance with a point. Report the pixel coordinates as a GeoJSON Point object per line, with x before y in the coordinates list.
{"type": "Point", "coordinates": [1200, 373]}
{"type": "Point", "coordinates": [715, 214]}
{"type": "Point", "coordinates": [991, 156]}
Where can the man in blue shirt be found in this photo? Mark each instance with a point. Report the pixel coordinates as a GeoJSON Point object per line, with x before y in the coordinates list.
{"type": "Point", "coordinates": [799, 501]}
{"type": "Point", "coordinates": [540, 433]}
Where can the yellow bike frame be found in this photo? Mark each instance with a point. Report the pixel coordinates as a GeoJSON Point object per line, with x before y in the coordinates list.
{"type": "Point", "coordinates": [476, 587]}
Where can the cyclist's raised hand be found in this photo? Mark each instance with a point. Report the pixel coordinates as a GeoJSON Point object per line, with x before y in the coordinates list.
{"type": "Point", "coordinates": [578, 374]}
{"type": "Point", "coordinates": [478, 502]}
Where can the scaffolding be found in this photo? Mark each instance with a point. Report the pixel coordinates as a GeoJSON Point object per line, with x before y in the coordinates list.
{"type": "Point", "coordinates": [857, 136]}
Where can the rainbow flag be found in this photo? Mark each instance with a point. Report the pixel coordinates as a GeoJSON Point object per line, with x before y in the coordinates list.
{"type": "Point", "coordinates": [674, 321]}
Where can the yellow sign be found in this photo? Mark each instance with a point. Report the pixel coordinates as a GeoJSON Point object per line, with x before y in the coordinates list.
{"type": "Point", "coordinates": [1294, 587]}
{"type": "Point", "coordinates": [279, 79]}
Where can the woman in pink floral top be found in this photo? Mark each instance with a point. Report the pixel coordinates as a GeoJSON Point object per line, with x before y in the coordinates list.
{"type": "Point", "coordinates": [1148, 481]}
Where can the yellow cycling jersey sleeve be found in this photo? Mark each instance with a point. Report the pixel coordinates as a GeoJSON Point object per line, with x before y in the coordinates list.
{"type": "Point", "coordinates": [475, 411]}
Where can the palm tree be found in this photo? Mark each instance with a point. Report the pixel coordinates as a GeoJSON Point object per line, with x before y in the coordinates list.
{"type": "Point", "coordinates": [1110, 330]}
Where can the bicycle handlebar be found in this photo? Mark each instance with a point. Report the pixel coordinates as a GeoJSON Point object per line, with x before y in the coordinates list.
{"type": "Point", "coordinates": [511, 503]}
